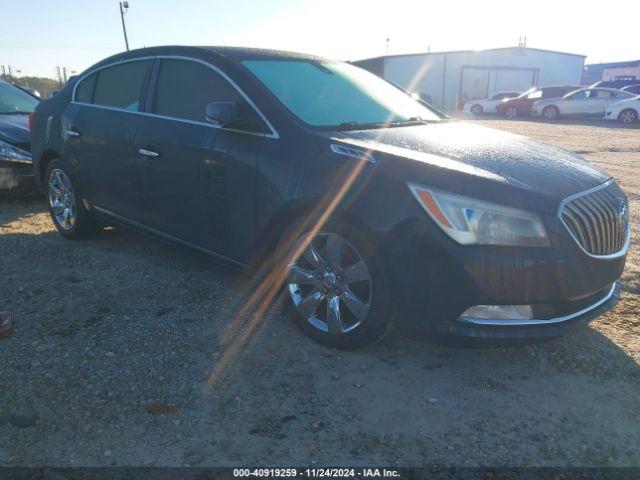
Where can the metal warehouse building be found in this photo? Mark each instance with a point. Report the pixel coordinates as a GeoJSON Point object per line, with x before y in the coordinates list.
{"type": "Point", "coordinates": [611, 71]}
{"type": "Point", "coordinates": [450, 78]}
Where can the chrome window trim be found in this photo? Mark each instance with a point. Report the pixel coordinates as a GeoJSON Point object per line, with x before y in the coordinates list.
{"type": "Point", "coordinates": [627, 242]}
{"type": "Point", "coordinates": [274, 133]}
{"type": "Point", "coordinates": [119, 62]}
{"type": "Point", "coordinates": [534, 321]}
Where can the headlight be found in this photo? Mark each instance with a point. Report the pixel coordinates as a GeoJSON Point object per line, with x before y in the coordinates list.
{"type": "Point", "coordinates": [475, 222]}
{"type": "Point", "coordinates": [13, 154]}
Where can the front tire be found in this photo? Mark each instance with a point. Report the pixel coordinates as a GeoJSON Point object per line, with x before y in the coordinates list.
{"type": "Point", "coordinates": [335, 284]}
{"type": "Point", "coordinates": [476, 109]}
{"type": "Point", "coordinates": [551, 112]}
{"type": "Point", "coordinates": [69, 216]}
{"type": "Point", "coordinates": [511, 113]}
{"type": "Point", "coordinates": [628, 116]}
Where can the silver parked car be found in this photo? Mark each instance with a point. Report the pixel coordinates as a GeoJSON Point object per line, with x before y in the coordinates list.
{"type": "Point", "coordinates": [585, 102]}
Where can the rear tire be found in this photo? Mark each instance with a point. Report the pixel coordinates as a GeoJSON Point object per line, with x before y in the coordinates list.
{"type": "Point", "coordinates": [551, 112]}
{"type": "Point", "coordinates": [67, 211]}
{"type": "Point", "coordinates": [336, 287]}
{"type": "Point", "coordinates": [628, 116]}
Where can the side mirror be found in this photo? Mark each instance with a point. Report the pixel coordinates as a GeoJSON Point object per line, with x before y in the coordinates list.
{"type": "Point", "coordinates": [221, 113]}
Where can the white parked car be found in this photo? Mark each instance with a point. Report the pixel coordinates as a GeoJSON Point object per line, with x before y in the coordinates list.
{"type": "Point", "coordinates": [489, 104]}
{"type": "Point", "coordinates": [584, 102]}
{"type": "Point", "coordinates": [625, 111]}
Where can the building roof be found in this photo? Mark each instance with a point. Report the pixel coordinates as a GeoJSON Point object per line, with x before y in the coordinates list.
{"type": "Point", "coordinates": [631, 63]}
{"type": "Point", "coordinates": [382, 57]}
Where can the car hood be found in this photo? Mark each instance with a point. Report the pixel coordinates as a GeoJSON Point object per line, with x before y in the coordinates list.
{"type": "Point", "coordinates": [14, 129]}
{"type": "Point", "coordinates": [627, 102]}
{"type": "Point", "coordinates": [464, 148]}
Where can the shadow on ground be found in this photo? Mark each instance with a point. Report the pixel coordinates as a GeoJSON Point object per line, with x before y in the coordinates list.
{"type": "Point", "coordinates": [115, 337]}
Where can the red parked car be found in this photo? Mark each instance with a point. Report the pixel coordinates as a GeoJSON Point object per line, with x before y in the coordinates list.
{"type": "Point", "coordinates": [521, 105]}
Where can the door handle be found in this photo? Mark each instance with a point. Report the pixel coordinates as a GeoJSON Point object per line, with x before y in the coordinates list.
{"type": "Point", "coordinates": [148, 153]}
{"type": "Point", "coordinates": [72, 133]}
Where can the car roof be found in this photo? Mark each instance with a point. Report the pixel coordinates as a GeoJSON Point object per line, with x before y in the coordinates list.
{"type": "Point", "coordinates": [607, 89]}
{"type": "Point", "coordinates": [233, 53]}
{"type": "Point", "coordinates": [575, 87]}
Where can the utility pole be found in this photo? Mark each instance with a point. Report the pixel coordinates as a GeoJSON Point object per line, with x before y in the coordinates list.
{"type": "Point", "coordinates": [123, 9]}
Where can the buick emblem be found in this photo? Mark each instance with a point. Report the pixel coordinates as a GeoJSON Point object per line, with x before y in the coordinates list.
{"type": "Point", "coordinates": [622, 216]}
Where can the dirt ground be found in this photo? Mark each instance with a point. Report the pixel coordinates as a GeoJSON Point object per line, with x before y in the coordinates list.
{"type": "Point", "coordinates": [115, 337]}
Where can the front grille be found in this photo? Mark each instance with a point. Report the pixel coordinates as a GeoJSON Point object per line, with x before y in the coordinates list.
{"type": "Point", "coordinates": [598, 219]}
{"type": "Point", "coordinates": [547, 311]}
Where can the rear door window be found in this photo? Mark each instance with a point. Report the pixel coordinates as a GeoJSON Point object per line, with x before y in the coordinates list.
{"type": "Point", "coordinates": [120, 86]}
{"type": "Point", "coordinates": [185, 87]}
{"type": "Point", "coordinates": [601, 94]}
{"type": "Point", "coordinates": [553, 93]}
{"type": "Point", "coordinates": [579, 95]}
{"type": "Point", "coordinates": [84, 90]}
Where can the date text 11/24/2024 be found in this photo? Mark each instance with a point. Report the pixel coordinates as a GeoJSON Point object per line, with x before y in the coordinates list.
{"type": "Point", "coordinates": [317, 472]}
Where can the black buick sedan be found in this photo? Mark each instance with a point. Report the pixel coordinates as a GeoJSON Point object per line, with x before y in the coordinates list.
{"type": "Point", "coordinates": [339, 190]}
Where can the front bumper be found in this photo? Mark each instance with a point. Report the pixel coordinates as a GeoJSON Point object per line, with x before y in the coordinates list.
{"type": "Point", "coordinates": [435, 280]}
{"type": "Point", "coordinates": [534, 328]}
{"type": "Point", "coordinates": [17, 179]}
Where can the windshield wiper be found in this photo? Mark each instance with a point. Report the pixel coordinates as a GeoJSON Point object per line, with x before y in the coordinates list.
{"type": "Point", "coordinates": [15, 113]}
{"type": "Point", "coordinates": [354, 125]}
{"type": "Point", "coordinates": [350, 125]}
{"type": "Point", "coordinates": [413, 120]}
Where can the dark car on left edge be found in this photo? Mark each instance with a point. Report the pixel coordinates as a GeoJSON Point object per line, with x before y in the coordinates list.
{"type": "Point", "coordinates": [15, 146]}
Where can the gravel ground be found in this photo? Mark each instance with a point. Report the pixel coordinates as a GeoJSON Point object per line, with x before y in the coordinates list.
{"type": "Point", "coordinates": [115, 339]}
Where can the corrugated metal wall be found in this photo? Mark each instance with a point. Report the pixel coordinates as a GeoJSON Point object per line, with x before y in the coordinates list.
{"type": "Point", "coordinates": [439, 75]}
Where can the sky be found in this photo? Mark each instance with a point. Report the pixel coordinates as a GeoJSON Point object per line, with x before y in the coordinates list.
{"type": "Point", "coordinates": [38, 35]}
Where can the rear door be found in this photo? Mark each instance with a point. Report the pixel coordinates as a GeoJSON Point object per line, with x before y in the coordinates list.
{"type": "Point", "coordinates": [577, 103]}
{"type": "Point", "coordinates": [198, 178]}
{"type": "Point", "coordinates": [99, 126]}
{"type": "Point", "coordinates": [600, 99]}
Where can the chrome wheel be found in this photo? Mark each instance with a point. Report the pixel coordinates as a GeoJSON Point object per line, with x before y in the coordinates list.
{"type": "Point", "coordinates": [62, 199]}
{"type": "Point", "coordinates": [476, 109]}
{"type": "Point", "coordinates": [512, 112]}
{"type": "Point", "coordinates": [628, 116]}
{"type": "Point", "coordinates": [330, 283]}
{"type": "Point", "coordinates": [550, 113]}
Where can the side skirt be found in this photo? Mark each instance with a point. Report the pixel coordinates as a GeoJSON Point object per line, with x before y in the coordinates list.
{"type": "Point", "coordinates": [209, 254]}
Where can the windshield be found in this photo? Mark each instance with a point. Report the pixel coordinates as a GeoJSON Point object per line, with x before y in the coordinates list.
{"type": "Point", "coordinates": [14, 100]}
{"type": "Point", "coordinates": [526, 94]}
{"type": "Point", "coordinates": [335, 94]}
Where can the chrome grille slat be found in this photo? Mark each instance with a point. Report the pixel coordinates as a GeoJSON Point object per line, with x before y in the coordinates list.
{"type": "Point", "coordinates": [575, 226]}
{"type": "Point", "coordinates": [593, 220]}
{"type": "Point", "coordinates": [601, 223]}
{"type": "Point", "coordinates": [610, 222]}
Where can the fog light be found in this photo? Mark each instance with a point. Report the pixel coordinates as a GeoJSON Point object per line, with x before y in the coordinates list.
{"type": "Point", "coordinates": [499, 312]}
